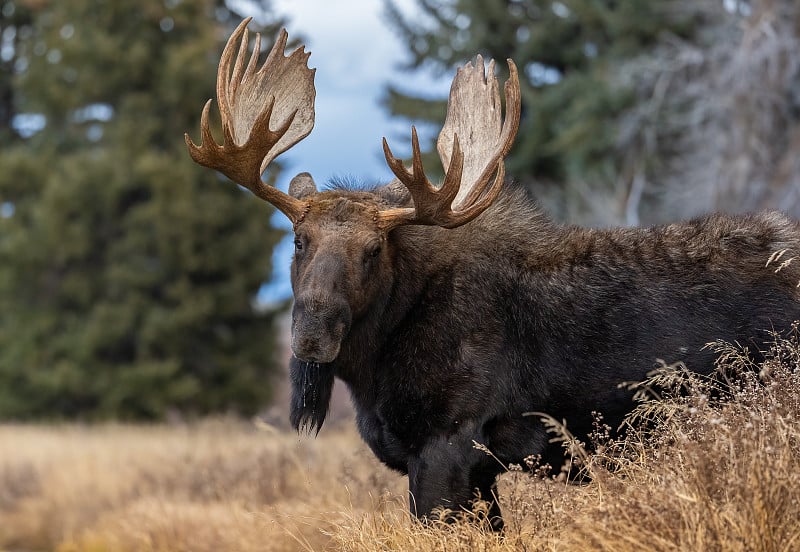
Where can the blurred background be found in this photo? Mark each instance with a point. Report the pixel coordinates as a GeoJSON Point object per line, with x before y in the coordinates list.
{"type": "Point", "coordinates": [136, 285]}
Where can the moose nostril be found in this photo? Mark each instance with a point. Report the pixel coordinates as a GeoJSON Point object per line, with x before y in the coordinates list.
{"type": "Point", "coordinates": [319, 324]}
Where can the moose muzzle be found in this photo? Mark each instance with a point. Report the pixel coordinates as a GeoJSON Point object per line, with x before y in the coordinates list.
{"type": "Point", "coordinates": [318, 328]}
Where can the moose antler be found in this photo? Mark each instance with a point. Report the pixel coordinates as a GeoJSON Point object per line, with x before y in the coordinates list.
{"type": "Point", "coordinates": [472, 145]}
{"type": "Point", "coordinates": [249, 99]}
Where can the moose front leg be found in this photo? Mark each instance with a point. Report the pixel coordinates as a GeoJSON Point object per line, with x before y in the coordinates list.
{"type": "Point", "coordinates": [448, 473]}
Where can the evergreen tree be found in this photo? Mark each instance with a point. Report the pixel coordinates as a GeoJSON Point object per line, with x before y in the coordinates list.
{"type": "Point", "coordinates": [717, 118]}
{"type": "Point", "coordinates": [127, 273]}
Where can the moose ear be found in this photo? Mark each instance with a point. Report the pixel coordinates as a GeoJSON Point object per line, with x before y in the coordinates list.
{"type": "Point", "coordinates": [394, 193]}
{"type": "Point", "coordinates": [302, 186]}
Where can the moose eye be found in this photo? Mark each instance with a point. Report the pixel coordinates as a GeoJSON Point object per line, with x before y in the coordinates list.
{"type": "Point", "coordinates": [298, 244]}
{"type": "Point", "coordinates": [371, 253]}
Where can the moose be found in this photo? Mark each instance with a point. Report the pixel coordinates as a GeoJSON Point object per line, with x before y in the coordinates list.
{"type": "Point", "coordinates": [451, 311]}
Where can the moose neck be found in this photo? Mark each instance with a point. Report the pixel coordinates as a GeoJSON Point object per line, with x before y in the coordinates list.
{"type": "Point", "coordinates": [416, 254]}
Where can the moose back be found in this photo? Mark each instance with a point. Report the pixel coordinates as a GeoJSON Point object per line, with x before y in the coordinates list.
{"type": "Point", "coordinates": [451, 311]}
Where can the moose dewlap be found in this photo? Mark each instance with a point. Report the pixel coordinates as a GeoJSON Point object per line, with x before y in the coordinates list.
{"type": "Point", "coordinates": [451, 311]}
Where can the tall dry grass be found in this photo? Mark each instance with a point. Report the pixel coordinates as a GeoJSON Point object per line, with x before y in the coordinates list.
{"type": "Point", "coordinates": [715, 466]}
{"type": "Point", "coordinates": [214, 486]}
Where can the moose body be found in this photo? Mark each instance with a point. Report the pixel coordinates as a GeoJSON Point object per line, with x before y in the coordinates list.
{"type": "Point", "coordinates": [451, 312]}
{"type": "Point", "coordinates": [474, 327]}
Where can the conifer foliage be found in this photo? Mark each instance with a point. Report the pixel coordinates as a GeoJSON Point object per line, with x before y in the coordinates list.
{"type": "Point", "coordinates": [128, 274]}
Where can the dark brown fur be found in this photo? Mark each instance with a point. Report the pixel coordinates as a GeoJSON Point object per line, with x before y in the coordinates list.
{"type": "Point", "coordinates": [445, 337]}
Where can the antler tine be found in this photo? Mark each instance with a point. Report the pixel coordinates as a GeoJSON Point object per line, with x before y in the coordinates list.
{"type": "Point", "coordinates": [431, 206]}
{"type": "Point", "coordinates": [205, 131]}
{"type": "Point", "coordinates": [395, 164]}
{"type": "Point", "coordinates": [474, 111]}
{"type": "Point", "coordinates": [452, 180]}
{"type": "Point", "coordinates": [224, 78]}
{"type": "Point", "coordinates": [249, 100]}
{"type": "Point", "coordinates": [235, 77]}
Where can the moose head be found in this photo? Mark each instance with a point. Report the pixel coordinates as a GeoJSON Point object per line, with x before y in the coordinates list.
{"type": "Point", "coordinates": [343, 259]}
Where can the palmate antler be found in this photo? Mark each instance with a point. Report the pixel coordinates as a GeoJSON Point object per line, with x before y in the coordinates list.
{"type": "Point", "coordinates": [472, 145]}
{"type": "Point", "coordinates": [250, 100]}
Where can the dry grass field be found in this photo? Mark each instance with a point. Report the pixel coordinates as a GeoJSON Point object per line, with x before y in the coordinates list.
{"type": "Point", "coordinates": [709, 475]}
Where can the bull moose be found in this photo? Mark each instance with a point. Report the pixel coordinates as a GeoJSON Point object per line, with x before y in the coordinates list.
{"type": "Point", "coordinates": [451, 311]}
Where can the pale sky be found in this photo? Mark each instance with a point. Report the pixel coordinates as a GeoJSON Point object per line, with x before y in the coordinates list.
{"type": "Point", "coordinates": [356, 54]}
